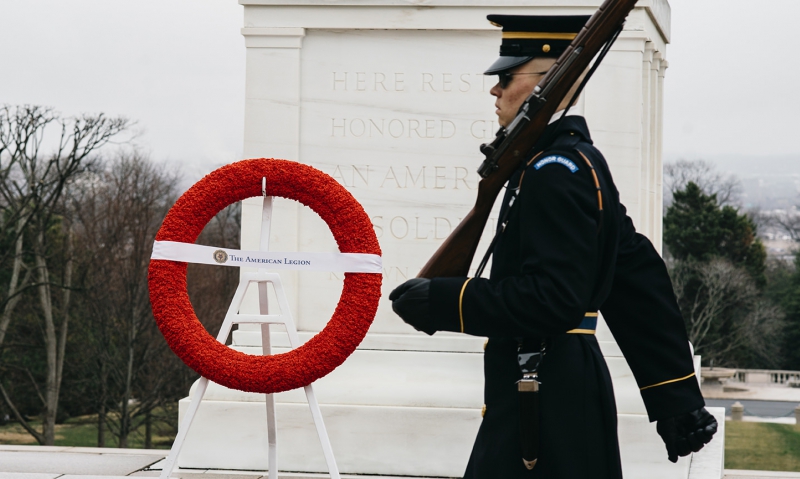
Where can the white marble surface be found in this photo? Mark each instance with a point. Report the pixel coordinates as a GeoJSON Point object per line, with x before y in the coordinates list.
{"type": "Point", "coordinates": [396, 116]}
{"type": "Point", "coordinates": [418, 378]}
{"type": "Point", "coordinates": [709, 463]}
{"type": "Point", "coordinates": [390, 440]}
{"type": "Point", "coordinates": [406, 399]}
{"type": "Point", "coordinates": [73, 461]}
{"type": "Point", "coordinates": [701, 466]}
{"type": "Point", "coordinates": [737, 474]}
{"type": "Point", "coordinates": [389, 378]}
{"type": "Point", "coordinates": [643, 453]}
{"type": "Point", "coordinates": [398, 14]}
{"type": "Point", "coordinates": [418, 441]}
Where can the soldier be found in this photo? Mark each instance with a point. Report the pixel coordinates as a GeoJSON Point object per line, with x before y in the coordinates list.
{"type": "Point", "coordinates": [565, 249]}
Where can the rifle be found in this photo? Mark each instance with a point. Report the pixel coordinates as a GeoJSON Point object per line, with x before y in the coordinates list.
{"type": "Point", "coordinates": [513, 143]}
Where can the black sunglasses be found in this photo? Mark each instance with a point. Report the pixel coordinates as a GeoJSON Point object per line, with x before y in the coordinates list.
{"type": "Point", "coordinates": [504, 78]}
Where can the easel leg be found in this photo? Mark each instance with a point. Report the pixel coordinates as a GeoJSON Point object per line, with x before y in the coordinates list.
{"type": "Point", "coordinates": [272, 425]}
{"type": "Point", "coordinates": [316, 413]}
{"type": "Point", "coordinates": [183, 429]}
{"type": "Point", "coordinates": [327, 450]}
{"type": "Point", "coordinates": [272, 436]}
{"type": "Point", "coordinates": [197, 397]}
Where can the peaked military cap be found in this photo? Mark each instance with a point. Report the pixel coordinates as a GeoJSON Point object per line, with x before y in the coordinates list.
{"type": "Point", "coordinates": [526, 37]}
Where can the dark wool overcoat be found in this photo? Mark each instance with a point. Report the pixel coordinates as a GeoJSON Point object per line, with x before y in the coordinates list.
{"type": "Point", "coordinates": [567, 251]}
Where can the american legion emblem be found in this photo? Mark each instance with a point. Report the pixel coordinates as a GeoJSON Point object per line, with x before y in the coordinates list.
{"type": "Point", "coordinates": [220, 256]}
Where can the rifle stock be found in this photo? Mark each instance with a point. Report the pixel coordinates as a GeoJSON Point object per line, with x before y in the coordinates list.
{"type": "Point", "coordinates": [512, 146]}
{"type": "Point", "coordinates": [454, 256]}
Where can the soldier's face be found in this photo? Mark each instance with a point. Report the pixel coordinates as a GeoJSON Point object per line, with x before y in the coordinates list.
{"type": "Point", "coordinates": [523, 80]}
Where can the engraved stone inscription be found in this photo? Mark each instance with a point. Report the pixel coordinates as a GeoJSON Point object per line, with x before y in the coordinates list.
{"type": "Point", "coordinates": [413, 128]}
{"type": "Point", "coordinates": [444, 82]}
{"type": "Point", "coordinates": [392, 128]}
{"type": "Point", "coordinates": [402, 133]}
{"type": "Point", "coordinates": [436, 177]}
{"type": "Point", "coordinates": [419, 228]}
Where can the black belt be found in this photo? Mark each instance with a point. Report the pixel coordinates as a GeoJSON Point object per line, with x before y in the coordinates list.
{"type": "Point", "coordinates": [587, 326]}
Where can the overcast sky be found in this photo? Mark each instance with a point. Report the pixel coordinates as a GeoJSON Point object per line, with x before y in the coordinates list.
{"type": "Point", "coordinates": [732, 85]}
{"type": "Point", "coordinates": [174, 66]}
{"type": "Point", "coordinates": [177, 68]}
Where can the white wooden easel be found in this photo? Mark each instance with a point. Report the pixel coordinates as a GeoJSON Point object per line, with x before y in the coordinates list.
{"type": "Point", "coordinates": [264, 319]}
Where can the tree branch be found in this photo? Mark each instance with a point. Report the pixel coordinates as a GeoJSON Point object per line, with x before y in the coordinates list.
{"type": "Point", "coordinates": [36, 435]}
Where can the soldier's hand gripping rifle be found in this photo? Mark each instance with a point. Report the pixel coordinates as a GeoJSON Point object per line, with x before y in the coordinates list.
{"type": "Point", "coordinates": [514, 143]}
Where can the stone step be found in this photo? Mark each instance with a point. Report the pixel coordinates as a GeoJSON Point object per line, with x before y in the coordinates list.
{"type": "Point", "coordinates": [218, 474]}
{"type": "Point", "coordinates": [742, 474]}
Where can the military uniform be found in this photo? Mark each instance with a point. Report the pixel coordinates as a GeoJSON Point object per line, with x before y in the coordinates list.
{"type": "Point", "coordinates": [567, 250]}
{"type": "Point", "coordinates": [558, 258]}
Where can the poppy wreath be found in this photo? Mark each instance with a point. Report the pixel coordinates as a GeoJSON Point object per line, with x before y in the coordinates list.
{"type": "Point", "coordinates": [186, 336]}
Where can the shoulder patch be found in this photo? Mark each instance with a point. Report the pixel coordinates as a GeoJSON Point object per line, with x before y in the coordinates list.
{"type": "Point", "coordinates": [561, 160]}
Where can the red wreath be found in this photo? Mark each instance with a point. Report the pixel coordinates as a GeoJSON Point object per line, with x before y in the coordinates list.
{"type": "Point", "coordinates": [175, 316]}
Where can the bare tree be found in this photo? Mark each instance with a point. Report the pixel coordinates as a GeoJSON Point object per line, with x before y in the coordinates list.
{"type": "Point", "coordinates": [32, 189]}
{"type": "Point", "coordinates": [21, 136]}
{"type": "Point", "coordinates": [704, 174]}
{"type": "Point", "coordinates": [765, 327]}
{"type": "Point", "coordinates": [121, 209]}
{"type": "Point", "coordinates": [724, 310]}
{"type": "Point", "coordinates": [786, 221]}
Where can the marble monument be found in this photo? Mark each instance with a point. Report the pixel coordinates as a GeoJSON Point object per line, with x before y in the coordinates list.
{"type": "Point", "coordinates": [388, 97]}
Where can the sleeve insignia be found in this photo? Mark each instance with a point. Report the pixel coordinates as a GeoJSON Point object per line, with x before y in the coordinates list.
{"type": "Point", "coordinates": [556, 159]}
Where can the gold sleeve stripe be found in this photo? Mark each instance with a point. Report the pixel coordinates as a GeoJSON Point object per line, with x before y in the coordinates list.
{"type": "Point", "coordinates": [581, 331]}
{"type": "Point", "coordinates": [666, 382]}
{"type": "Point", "coordinates": [461, 302]}
{"type": "Point", "coordinates": [591, 315]}
{"type": "Point", "coordinates": [539, 35]}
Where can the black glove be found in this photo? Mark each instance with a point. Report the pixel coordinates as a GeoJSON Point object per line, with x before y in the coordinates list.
{"type": "Point", "coordinates": [410, 302]}
{"type": "Point", "coordinates": [686, 433]}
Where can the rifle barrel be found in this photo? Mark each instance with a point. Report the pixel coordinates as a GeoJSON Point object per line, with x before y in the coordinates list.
{"type": "Point", "coordinates": [513, 145]}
